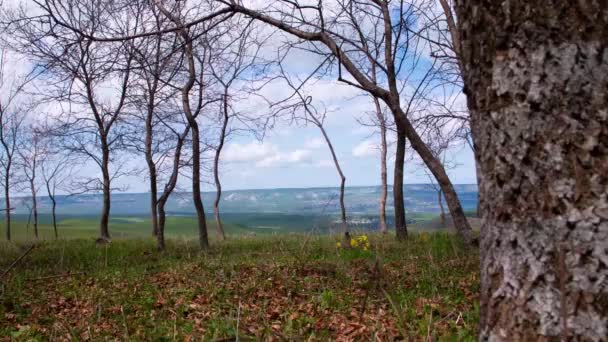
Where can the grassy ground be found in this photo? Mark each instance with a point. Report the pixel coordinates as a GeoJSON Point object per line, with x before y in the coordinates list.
{"type": "Point", "coordinates": [120, 228]}
{"type": "Point", "coordinates": [289, 287]}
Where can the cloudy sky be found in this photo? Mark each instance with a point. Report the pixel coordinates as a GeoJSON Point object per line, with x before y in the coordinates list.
{"type": "Point", "coordinates": [297, 156]}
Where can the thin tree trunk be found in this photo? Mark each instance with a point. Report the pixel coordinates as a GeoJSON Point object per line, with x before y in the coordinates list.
{"type": "Point", "coordinates": [536, 75]}
{"type": "Point", "coordinates": [51, 195]}
{"type": "Point", "coordinates": [398, 200]}
{"type": "Point", "coordinates": [440, 201]}
{"type": "Point", "coordinates": [7, 198]}
{"type": "Point", "coordinates": [196, 187]}
{"type": "Point", "coordinates": [34, 206]}
{"type": "Point", "coordinates": [27, 226]}
{"type": "Point", "coordinates": [152, 174]}
{"type": "Point", "coordinates": [169, 187]}
{"type": "Point", "coordinates": [160, 234]}
{"type": "Point", "coordinates": [343, 220]}
{"type": "Point", "coordinates": [383, 169]}
{"type": "Point", "coordinates": [434, 165]}
{"type": "Point", "coordinates": [469, 141]}
{"type": "Point", "coordinates": [216, 169]}
{"type": "Point", "coordinates": [104, 230]}
{"type": "Point", "coordinates": [191, 117]}
{"type": "Point", "coordinates": [53, 212]}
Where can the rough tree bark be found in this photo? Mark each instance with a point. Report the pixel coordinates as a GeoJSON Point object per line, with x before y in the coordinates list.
{"type": "Point", "coordinates": [399, 202]}
{"type": "Point", "coordinates": [536, 76]}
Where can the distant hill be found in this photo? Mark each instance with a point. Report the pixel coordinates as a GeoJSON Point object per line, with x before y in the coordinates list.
{"type": "Point", "coordinates": [360, 201]}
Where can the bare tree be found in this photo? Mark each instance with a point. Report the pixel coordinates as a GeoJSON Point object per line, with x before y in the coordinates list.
{"type": "Point", "coordinates": [12, 115]}
{"type": "Point", "coordinates": [56, 169]}
{"type": "Point", "coordinates": [164, 132]}
{"type": "Point", "coordinates": [78, 72]}
{"type": "Point", "coordinates": [300, 108]}
{"type": "Point", "coordinates": [341, 32]}
{"type": "Point", "coordinates": [195, 59]}
{"type": "Point", "coordinates": [235, 64]}
{"type": "Point", "coordinates": [382, 124]}
{"type": "Point", "coordinates": [30, 153]}
{"type": "Point", "coordinates": [440, 141]}
{"type": "Point", "coordinates": [314, 23]}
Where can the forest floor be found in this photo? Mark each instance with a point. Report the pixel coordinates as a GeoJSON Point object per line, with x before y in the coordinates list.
{"type": "Point", "coordinates": [287, 287]}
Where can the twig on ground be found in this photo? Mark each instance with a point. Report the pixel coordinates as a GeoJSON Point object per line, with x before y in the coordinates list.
{"type": "Point", "coordinates": [17, 261]}
{"type": "Point", "coordinates": [69, 274]}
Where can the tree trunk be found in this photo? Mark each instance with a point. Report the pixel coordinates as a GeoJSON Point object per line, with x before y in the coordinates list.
{"type": "Point", "coordinates": [191, 117]}
{"type": "Point", "coordinates": [218, 221]}
{"type": "Point", "coordinates": [216, 169]}
{"type": "Point", "coordinates": [160, 234]}
{"type": "Point", "coordinates": [153, 203]}
{"type": "Point", "coordinates": [196, 187]}
{"type": "Point", "coordinates": [343, 206]}
{"type": "Point", "coordinates": [53, 212]}
{"type": "Point", "coordinates": [536, 77]}
{"type": "Point", "coordinates": [383, 170]}
{"type": "Point", "coordinates": [469, 141]}
{"type": "Point", "coordinates": [398, 200]}
{"type": "Point", "coordinates": [7, 197]}
{"type": "Point", "coordinates": [34, 206]}
{"type": "Point", "coordinates": [27, 226]}
{"type": "Point", "coordinates": [343, 222]}
{"type": "Point", "coordinates": [442, 211]}
{"type": "Point", "coordinates": [152, 173]}
{"type": "Point", "coordinates": [434, 165]}
{"type": "Point", "coordinates": [105, 210]}
{"type": "Point", "coordinates": [169, 187]}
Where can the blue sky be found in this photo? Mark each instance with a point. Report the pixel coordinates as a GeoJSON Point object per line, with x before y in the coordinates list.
{"type": "Point", "coordinates": [295, 156]}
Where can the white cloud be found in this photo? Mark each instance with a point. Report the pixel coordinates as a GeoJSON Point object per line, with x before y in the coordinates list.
{"type": "Point", "coordinates": [324, 163]}
{"type": "Point", "coordinates": [263, 154]}
{"type": "Point", "coordinates": [365, 149]}
{"type": "Point", "coordinates": [298, 156]}
{"type": "Point", "coordinates": [314, 143]}
{"type": "Point", "coordinates": [250, 152]}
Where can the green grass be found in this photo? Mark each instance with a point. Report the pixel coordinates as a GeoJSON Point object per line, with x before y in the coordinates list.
{"type": "Point", "coordinates": [120, 228]}
{"type": "Point", "coordinates": [285, 287]}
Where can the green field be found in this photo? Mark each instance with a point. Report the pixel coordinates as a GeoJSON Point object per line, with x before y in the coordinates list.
{"type": "Point", "coordinates": [283, 287]}
{"type": "Point", "coordinates": [184, 227]}
{"type": "Point", "coordinates": [120, 227]}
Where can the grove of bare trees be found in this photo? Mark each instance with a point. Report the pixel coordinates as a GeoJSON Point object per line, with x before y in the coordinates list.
{"type": "Point", "coordinates": [162, 79]}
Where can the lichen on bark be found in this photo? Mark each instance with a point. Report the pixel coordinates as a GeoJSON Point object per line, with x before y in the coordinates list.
{"type": "Point", "coordinates": [536, 76]}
